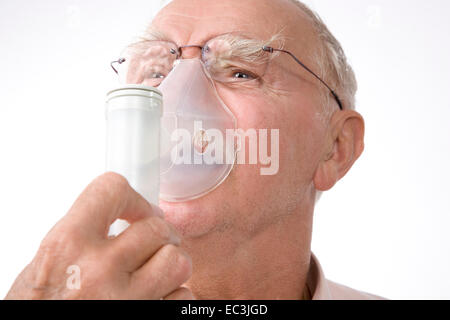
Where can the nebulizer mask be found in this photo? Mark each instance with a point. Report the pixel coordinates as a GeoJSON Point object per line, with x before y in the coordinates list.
{"type": "Point", "coordinates": [195, 156]}
{"type": "Point", "coordinates": [197, 148]}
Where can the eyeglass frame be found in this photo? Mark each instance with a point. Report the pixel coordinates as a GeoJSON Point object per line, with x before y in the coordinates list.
{"type": "Point", "coordinates": [264, 48]}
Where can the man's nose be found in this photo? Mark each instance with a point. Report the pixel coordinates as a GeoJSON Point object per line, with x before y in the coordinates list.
{"type": "Point", "coordinates": [190, 52]}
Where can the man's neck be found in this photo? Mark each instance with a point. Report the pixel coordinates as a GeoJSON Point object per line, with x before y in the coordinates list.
{"type": "Point", "coordinates": [273, 264]}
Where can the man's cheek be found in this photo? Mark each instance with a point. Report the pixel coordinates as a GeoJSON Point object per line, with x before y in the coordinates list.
{"type": "Point", "coordinates": [248, 107]}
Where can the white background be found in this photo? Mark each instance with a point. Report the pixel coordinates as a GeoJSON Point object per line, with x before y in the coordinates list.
{"type": "Point", "coordinates": [384, 229]}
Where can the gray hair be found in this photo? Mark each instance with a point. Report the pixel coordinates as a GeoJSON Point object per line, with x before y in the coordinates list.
{"type": "Point", "coordinates": [332, 61]}
{"type": "Point", "coordinates": [333, 66]}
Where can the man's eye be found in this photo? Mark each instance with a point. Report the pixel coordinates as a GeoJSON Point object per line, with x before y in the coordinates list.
{"type": "Point", "coordinates": [156, 75]}
{"type": "Point", "coordinates": [231, 75]}
{"type": "Point", "coordinates": [241, 75]}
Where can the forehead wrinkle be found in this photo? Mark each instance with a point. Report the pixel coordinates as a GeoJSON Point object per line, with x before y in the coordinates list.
{"type": "Point", "coordinates": [153, 33]}
{"type": "Point", "coordinates": [200, 20]}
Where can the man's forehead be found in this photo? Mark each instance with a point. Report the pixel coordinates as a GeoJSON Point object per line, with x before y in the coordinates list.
{"type": "Point", "coordinates": [196, 21]}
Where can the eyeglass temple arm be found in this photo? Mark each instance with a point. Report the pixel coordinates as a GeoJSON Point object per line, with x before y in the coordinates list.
{"type": "Point", "coordinates": [336, 97]}
{"type": "Point", "coordinates": [121, 60]}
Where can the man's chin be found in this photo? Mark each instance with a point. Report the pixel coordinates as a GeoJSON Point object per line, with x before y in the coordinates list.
{"type": "Point", "coordinates": [192, 219]}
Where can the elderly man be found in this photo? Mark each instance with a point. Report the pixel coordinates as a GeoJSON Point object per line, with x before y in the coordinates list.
{"type": "Point", "coordinates": [250, 237]}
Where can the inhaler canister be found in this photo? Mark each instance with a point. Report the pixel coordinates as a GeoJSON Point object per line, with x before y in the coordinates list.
{"type": "Point", "coordinates": [133, 117]}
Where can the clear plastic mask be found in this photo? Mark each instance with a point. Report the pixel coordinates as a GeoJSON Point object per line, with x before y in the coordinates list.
{"type": "Point", "coordinates": [195, 154]}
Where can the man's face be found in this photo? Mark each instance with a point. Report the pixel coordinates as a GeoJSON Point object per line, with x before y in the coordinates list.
{"type": "Point", "coordinates": [286, 98]}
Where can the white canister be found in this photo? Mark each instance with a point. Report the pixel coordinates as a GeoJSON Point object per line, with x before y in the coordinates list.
{"type": "Point", "coordinates": [133, 117]}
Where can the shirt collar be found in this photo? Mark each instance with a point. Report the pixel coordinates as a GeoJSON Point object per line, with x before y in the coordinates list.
{"type": "Point", "coordinates": [316, 282]}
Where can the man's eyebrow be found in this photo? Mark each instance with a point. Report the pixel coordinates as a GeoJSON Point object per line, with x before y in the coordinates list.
{"type": "Point", "coordinates": [242, 45]}
{"type": "Point", "coordinates": [250, 49]}
{"type": "Point", "coordinates": [152, 34]}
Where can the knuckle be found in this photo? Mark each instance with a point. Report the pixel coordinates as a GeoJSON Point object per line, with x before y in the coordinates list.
{"type": "Point", "coordinates": [41, 269]}
{"type": "Point", "coordinates": [113, 180]}
{"type": "Point", "coordinates": [47, 265]}
{"type": "Point", "coordinates": [49, 243]}
{"type": "Point", "coordinates": [59, 239]}
{"type": "Point", "coordinates": [110, 186]}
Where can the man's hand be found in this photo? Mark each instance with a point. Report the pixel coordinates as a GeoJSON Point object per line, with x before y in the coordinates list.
{"type": "Point", "coordinates": [77, 260]}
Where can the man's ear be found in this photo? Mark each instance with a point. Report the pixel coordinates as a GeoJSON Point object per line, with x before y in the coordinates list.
{"type": "Point", "coordinates": [344, 145]}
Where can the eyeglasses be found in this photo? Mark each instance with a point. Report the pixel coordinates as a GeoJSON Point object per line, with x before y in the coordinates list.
{"type": "Point", "coordinates": [333, 93]}
{"type": "Point", "coordinates": [227, 58]}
